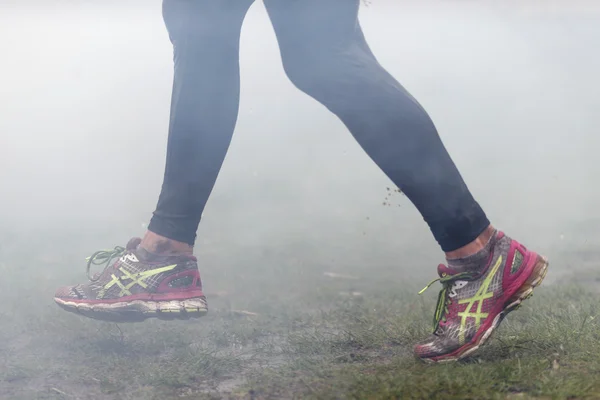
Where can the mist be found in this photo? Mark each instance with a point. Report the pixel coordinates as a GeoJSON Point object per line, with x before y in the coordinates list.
{"type": "Point", "coordinates": [85, 92]}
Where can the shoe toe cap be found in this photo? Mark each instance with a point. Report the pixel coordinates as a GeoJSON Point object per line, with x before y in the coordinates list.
{"type": "Point", "coordinates": [68, 292]}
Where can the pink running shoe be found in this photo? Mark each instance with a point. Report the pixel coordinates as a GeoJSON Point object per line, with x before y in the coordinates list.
{"type": "Point", "coordinates": [472, 304]}
{"type": "Point", "coordinates": [136, 286]}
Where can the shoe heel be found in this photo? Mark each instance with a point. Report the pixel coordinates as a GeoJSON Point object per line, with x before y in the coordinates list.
{"type": "Point", "coordinates": [526, 290]}
{"type": "Point", "coordinates": [181, 309]}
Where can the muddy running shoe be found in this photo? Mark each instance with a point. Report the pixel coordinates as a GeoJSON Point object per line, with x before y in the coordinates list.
{"type": "Point", "coordinates": [472, 304]}
{"type": "Point", "coordinates": [136, 285]}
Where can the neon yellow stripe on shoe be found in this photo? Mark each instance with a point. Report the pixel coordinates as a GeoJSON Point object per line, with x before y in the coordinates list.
{"type": "Point", "coordinates": [481, 295]}
{"type": "Point", "coordinates": [137, 278]}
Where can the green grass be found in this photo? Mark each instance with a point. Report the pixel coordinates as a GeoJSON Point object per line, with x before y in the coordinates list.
{"type": "Point", "coordinates": [357, 352]}
{"type": "Point", "coordinates": [312, 337]}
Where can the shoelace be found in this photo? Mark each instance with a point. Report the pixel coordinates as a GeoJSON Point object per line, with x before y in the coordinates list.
{"type": "Point", "coordinates": [444, 301]}
{"type": "Point", "coordinates": [103, 257]}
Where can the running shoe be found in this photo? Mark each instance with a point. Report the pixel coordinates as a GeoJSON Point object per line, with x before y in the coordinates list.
{"type": "Point", "coordinates": [472, 304]}
{"type": "Point", "coordinates": [136, 285]}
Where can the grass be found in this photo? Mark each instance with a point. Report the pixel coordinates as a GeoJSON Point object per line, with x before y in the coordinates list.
{"type": "Point", "coordinates": [357, 352]}
{"type": "Point", "coordinates": [313, 336]}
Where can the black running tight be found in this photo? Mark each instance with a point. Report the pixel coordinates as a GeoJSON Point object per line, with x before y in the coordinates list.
{"type": "Point", "coordinates": [326, 56]}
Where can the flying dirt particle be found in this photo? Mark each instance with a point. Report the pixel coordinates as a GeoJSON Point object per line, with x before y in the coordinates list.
{"type": "Point", "coordinates": [390, 192]}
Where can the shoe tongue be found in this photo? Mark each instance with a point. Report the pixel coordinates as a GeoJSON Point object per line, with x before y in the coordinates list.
{"type": "Point", "coordinates": [444, 271]}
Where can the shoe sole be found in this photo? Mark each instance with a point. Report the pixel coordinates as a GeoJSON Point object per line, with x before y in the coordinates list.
{"type": "Point", "coordinates": [540, 269]}
{"type": "Point", "coordinates": [138, 310]}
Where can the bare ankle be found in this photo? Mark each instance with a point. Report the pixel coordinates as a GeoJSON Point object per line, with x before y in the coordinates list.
{"type": "Point", "coordinates": [155, 243]}
{"type": "Point", "coordinates": [473, 247]}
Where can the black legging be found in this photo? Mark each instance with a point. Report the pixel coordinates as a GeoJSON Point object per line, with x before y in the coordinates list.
{"type": "Point", "coordinates": [326, 56]}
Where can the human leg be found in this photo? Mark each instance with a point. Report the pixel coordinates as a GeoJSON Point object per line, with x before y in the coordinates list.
{"type": "Point", "coordinates": [325, 55]}
{"type": "Point", "coordinates": [204, 107]}
{"type": "Point", "coordinates": [158, 277]}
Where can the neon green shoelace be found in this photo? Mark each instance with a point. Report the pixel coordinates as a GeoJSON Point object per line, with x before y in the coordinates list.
{"type": "Point", "coordinates": [444, 300]}
{"type": "Point", "coordinates": [103, 257]}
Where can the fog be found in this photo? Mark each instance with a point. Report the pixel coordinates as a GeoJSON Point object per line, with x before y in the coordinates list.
{"type": "Point", "coordinates": [84, 99]}
{"type": "Point", "coordinates": [85, 91]}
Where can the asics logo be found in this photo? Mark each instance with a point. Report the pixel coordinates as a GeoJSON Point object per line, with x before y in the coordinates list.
{"type": "Point", "coordinates": [457, 285]}
{"type": "Point", "coordinates": [482, 294]}
{"type": "Point", "coordinates": [128, 279]}
{"type": "Point", "coordinates": [130, 257]}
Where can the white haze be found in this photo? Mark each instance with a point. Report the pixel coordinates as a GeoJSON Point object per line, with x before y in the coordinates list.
{"type": "Point", "coordinates": [84, 100]}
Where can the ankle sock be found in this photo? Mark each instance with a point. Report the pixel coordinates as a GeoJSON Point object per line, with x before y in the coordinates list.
{"type": "Point", "coordinates": [475, 261]}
